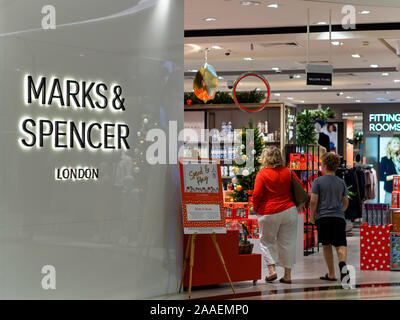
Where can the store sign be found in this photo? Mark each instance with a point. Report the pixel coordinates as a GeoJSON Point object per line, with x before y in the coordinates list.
{"type": "Point", "coordinates": [320, 75]}
{"type": "Point", "coordinates": [384, 122]}
{"type": "Point", "coordinates": [43, 133]}
{"type": "Point", "coordinates": [202, 196]}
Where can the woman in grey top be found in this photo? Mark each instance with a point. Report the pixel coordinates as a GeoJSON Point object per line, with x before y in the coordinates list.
{"type": "Point", "coordinates": [328, 203]}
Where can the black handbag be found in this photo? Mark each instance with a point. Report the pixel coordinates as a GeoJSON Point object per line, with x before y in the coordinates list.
{"type": "Point", "coordinates": [300, 196]}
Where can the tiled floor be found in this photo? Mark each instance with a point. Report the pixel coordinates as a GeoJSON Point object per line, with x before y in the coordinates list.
{"type": "Point", "coordinates": [307, 285]}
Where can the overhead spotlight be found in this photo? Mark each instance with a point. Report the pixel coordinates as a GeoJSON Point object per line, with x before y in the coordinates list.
{"type": "Point", "coordinates": [374, 66]}
{"type": "Point", "coordinates": [209, 19]}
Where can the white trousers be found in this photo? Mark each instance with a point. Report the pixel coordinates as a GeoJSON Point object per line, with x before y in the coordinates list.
{"type": "Point", "coordinates": [278, 237]}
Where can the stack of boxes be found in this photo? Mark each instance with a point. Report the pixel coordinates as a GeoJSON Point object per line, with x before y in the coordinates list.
{"type": "Point", "coordinates": [239, 212]}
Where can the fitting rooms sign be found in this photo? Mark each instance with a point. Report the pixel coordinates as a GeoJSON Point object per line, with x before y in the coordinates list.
{"type": "Point", "coordinates": [41, 133]}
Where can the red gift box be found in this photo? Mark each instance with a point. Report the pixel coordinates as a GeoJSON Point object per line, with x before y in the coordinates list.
{"type": "Point", "coordinates": [375, 247]}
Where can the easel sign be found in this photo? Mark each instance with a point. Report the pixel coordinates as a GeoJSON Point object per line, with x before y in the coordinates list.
{"type": "Point", "coordinates": [202, 208]}
{"type": "Point", "coordinates": [202, 196]}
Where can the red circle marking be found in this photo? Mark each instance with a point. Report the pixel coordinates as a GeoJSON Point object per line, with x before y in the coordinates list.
{"type": "Point", "coordinates": [251, 75]}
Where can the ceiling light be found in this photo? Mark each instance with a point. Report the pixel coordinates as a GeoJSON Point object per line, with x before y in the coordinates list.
{"type": "Point", "coordinates": [250, 3]}
{"type": "Point", "coordinates": [277, 94]}
{"type": "Point", "coordinates": [216, 47]}
{"type": "Point", "coordinates": [275, 69]}
{"type": "Point", "coordinates": [220, 78]}
{"type": "Point", "coordinates": [297, 76]}
{"type": "Point", "coordinates": [321, 23]}
{"type": "Point", "coordinates": [209, 19]}
{"type": "Point", "coordinates": [324, 88]}
{"type": "Point", "coordinates": [345, 114]}
{"type": "Point", "coordinates": [358, 101]}
{"type": "Point", "coordinates": [193, 70]}
{"type": "Point", "coordinates": [290, 98]}
{"type": "Point", "coordinates": [356, 55]}
{"type": "Point", "coordinates": [248, 59]}
{"type": "Point", "coordinates": [273, 5]}
{"type": "Point", "coordinates": [337, 43]}
{"type": "Point", "coordinates": [374, 66]}
{"type": "Point", "coordinates": [341, 93]}
{"type": "Point", "coordinates": [380, 99]}
{"type": "Point", "coordinates": [387, 92]}
{"type": "Point", "coordinates": [364, 12]}
{"type": "Point", "coordinates": [348, 97]}
{"type": "Point", "coordinates": [302, 101]}
{"type": "Point", "coordinates": [385, 74]}
{"type": "Point", "coordinates": [396, 81]}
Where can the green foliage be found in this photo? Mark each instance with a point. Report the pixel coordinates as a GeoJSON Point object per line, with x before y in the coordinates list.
{"type": "Point", "coordinates": [351, 194]}
{"type": "Point", "coordinates": [247, 182]}
{"type": "Point", "coordinates": [358, 137]}
{"type": "Point", "coordinates": [222, 97]}
{"type": "Point", "coordinates": [305, 126]}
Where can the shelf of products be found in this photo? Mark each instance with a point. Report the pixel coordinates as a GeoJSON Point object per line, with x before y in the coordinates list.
{"type": "Point", "coordinates": [305, 161]}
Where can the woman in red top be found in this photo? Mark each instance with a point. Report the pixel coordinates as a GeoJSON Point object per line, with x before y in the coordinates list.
{"type": "Point", "coordinates": [277, 213]}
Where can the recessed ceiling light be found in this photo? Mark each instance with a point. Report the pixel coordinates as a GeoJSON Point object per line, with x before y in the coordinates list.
{"type": "Point", "coordinates": [396, 81]}
{"type": "Point", "coordinates": [250, 3]}
{"type": "Point", "coordinates": [364, 12]}
{"type": "Point", "coordinates": [297, 76]}
{"type": "Point", "coordinates": [248, 59]}
{"type": "Point", "coordinates": [358, 101]}
{"type": "Point", "coordinates": [374, 66]}
{"type": "Point", "coordinates": [273, 5]}
{"type": "Point", "coordinates": [302, 101]}
{"type": "Point", "coordinates": [290, 98]}
{"type": "Point", "coordinates": [337, 43]}
{"type": "Point", "coordinates": [209, 19]}
{"type": "Point", "coordinates": [193, 70]}
{"type": "Point", "coordinates": [321, 23]}
{"type": "Point", "coordinates": [345, 114]}
{"type": "Point", "coordinates": [275, 69]}
{"type": "Point", "coordinates": [387, 92]}
{"type": "Point", "coordinates": [324, 88]}
{"type": "Point", "coordinates": [216, 47]}
{"type": "Point", "coordinates": [356, 55]}
{"type": "Point", "coordinates": [341, 93]}
{"type": "Point", "coordinates": [385, 74]}
{"type": "Point", "coordinates": [277, 94]}
{"type": "Point", "coordinates": [348, 97]}
{"type": "Point", "coordinates": [220, 78]}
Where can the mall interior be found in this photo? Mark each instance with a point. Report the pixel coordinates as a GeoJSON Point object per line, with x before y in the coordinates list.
{"type": "Point", "coordinates": [97, 109]}
{"type": "Point", "coordinates": [270, 38]}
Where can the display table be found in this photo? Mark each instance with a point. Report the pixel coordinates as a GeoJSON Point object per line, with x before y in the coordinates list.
{"type": "Point", "coordinates": [207, 268]}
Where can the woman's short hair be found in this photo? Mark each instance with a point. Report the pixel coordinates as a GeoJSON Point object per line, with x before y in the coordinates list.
{"type": "Point", "coordinates": [271, 157]}
{"type": "Point", "coordinates": [331, 161]}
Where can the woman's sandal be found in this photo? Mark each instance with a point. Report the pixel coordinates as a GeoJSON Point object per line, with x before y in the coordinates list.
{"type": "Point", "coordinates": [285, 281]}
{"type": "Point", "coordinates": [271, 278]}
{"type": "Point", "coordinates": [325, 277]}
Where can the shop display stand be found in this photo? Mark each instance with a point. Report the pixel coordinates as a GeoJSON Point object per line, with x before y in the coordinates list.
{"type": "Point", "coordinates": [190, 249]}
{"type": "Point", "coordinates": [311, 170]}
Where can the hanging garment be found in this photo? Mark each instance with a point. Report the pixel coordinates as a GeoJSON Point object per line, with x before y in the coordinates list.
{"type": "Point", "coordinates": [368, 185]}
{"type": "Point", "coordinates": [374, 183]}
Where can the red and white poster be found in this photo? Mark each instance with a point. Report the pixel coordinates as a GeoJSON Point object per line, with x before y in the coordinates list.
{"type": "Point", "coordinates": [202, 196]}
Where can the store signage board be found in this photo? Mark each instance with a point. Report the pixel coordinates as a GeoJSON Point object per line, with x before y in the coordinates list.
{"type": "Point", "coordinates": [384, 122]}
{"type": "Point", "coordinates": [202, 196]}
{"type": "Point", "coordinates": [319, 75]}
